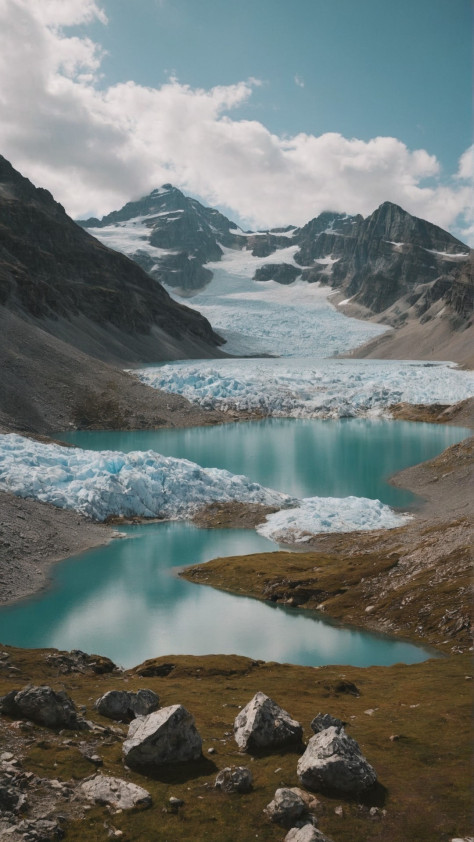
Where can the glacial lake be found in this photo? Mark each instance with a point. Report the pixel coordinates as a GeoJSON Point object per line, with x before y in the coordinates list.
{"type": "Point", "coordinates": [126, 601]}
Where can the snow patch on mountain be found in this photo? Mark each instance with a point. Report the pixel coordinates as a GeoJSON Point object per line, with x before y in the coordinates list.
{"type": "Point", "coordinates": [132, 236]}
{"type": "Point", "coordinates": [302, 388]}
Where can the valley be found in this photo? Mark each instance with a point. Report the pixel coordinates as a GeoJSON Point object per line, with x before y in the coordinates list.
{"type": "Point", "coordinates": [245, 409]}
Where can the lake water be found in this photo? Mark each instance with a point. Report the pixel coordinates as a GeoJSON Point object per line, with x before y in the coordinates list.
{"type": "Point", "coordinates": [301, 457]}
{"type": "Point", "coordinates": [126, 601]}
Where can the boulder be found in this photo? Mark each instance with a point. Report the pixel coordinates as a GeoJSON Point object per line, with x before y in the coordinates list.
{"type": "Point", "coordinates": [324, 720]}
{"type": "Point", "coordinates": [234, 779]}
{"type": "Point", "coordinates": [120, 794]}
{"type": "Point", "coordinates": [167, 736]}
{"type": "Point", "coordinates": [307, 833]}
{"type": "Point", "coordinates": [287, 808]}
{"type": "Point", "coordinates": [263, 724]}
{"type": "Point", "coordinates": [333, 761]}
{"type": "Point", "coordinates": [44, 706]}
{"type": "Point", "coordinates": [124, 705]}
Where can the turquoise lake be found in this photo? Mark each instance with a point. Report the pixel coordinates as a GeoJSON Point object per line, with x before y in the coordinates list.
{"type": "Point", "coordinates": [126, 601]}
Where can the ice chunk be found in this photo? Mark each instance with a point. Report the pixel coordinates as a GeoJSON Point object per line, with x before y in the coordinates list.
{"type": "Point", "coordinates": [328, 514]}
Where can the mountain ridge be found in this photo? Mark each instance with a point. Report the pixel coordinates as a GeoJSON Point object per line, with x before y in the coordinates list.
{"type": "Point", "coordinates": [391, 265]}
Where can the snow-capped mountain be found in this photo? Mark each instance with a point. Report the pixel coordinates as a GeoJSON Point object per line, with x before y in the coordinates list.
{"type": "Point", "coordinates": [169, 235]}
{"type": "Point", "coordinates": [391, 263]}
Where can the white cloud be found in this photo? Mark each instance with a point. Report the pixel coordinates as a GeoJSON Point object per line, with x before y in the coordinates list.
{"type": "Point", "coordinates": [96, 148]}
{"type": "Point", "coordinates": [298, 81]}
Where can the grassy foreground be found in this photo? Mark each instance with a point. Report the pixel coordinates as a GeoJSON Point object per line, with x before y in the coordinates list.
{"type": "Point", "coordinates": [423, 774]}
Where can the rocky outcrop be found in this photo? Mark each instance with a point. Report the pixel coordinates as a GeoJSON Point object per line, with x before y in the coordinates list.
{"type": "Point", "coordinates": [389, 257]}
{"type": "Point", "coordinates": [167, 736]}
{"type": "Point", "coordinates": [124, 705]}
{"type": "Point", "coordinates": [54, 274]}
{"type": "Point", "coordinates": [282, 273]}
{"type": "Point", "coordinates": [44, 706]}
{"type": "Point", "coordinates": [119, 794]}
{"type": "Point", "coordinates": [78, 661]}
{"type": "Point", "coordinates": [234, 779]}
{"type": "Point", "coordinates": [334, 762]}
{"type": "Point", "coordinates": [262, 724]}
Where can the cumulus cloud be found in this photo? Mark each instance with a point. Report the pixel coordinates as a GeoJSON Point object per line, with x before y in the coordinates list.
{"type": "Point", "coordinates": [96, 147]}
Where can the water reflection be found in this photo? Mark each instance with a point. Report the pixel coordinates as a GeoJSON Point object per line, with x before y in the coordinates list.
{"type": "Point", "coordinates": [125, 601]}
{"type": "Point", "coordinates": [302, 457]}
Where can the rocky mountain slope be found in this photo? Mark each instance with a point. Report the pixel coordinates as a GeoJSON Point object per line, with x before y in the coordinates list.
{"type": "Point", "coordinates": [55, 275]}
{"type": "Point", "coordinates": [391, 266]}
{"type": "Point", "coordinates": [69, 309]}
{"type": "Point", "coordinates": [390, 258]}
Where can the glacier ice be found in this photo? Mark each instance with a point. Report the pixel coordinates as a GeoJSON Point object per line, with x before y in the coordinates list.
{"type": "Point", "coordinates": [99, 484]}
{"type": "Point", "coordinates": [311, 388]}
{"type": "Point", "coordinates": [328, 514]}
{"type": "Point", "coordinates": [264, 317]}
{"type": "Point", "coordinates": [103, 483]}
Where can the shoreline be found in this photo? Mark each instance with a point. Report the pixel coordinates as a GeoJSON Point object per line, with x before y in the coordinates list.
{"type": "Point", "coordinates": [49, 534]}
{"type": "Point", "coordinates": [412, 581]}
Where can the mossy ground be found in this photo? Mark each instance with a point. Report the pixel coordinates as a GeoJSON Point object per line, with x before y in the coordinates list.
{"type": "Point", "coordinates": [423, 775]}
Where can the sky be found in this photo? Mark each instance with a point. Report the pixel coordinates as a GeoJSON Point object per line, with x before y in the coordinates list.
{"type": "Point", "coordinates": [269, 110]}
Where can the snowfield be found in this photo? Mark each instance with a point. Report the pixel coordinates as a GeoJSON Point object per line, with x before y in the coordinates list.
{"type": "Point", "coordinates": [256, 317]}
{"type": "Point", "coordinates": [146, 484]}
{"type": "Point", "coordinates": [302, 388]}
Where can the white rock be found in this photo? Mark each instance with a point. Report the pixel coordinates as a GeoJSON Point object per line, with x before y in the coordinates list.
{"type": "Point", "coordinates": [114, 791]}
{"type": "Point", "coordinates": [263, 724]}
{"type": "Point", "coordinates": [333, 761]}
{"type": "Point", "coordinates": [167, 736]}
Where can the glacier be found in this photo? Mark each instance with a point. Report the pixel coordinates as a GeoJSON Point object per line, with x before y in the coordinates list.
{"type": "Point", "coordinates": [104, 483]}
{"type": "Point", "coordinates": [255, 317]}
{"type": "Point", "coordinates": [264, 317]}
{"type": "Point", "coordinates": [311, 388]}
{"type": "Point", "coordinates": [99, 484]}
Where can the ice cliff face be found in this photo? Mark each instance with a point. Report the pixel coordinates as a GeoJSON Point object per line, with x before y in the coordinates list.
{"type": "Point", "coordinates": [308, 388]}
{"type": "Point", "coordinates": [99, 484]}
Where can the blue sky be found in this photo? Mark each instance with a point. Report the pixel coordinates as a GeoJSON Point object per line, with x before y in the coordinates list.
{"type": "Point", "coordinates": [271, 110]}
{"type": "Point", "coordinates": [369, 67]}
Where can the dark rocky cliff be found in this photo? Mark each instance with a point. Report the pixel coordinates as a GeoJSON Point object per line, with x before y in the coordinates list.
{"type": "Point", "coordinates": [388, 256]}
{"type": "Point", "coordinates": [54, 273]}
